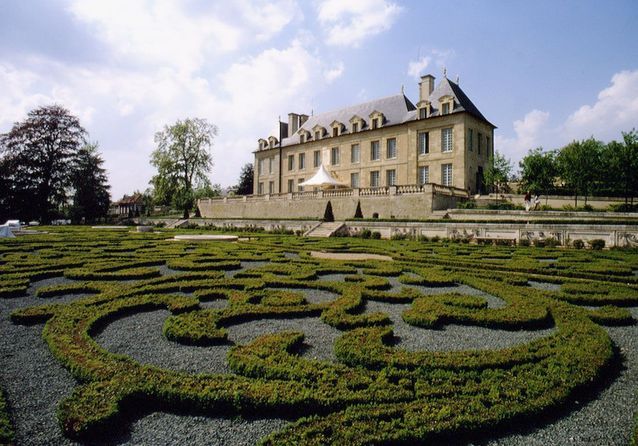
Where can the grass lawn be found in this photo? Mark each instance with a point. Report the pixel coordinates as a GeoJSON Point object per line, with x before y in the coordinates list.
{"type": "Point", "coordinates": [260, 341]}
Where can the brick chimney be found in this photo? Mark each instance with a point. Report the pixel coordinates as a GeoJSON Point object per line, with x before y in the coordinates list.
{"type": "Point", "coordinates": [426, 86]}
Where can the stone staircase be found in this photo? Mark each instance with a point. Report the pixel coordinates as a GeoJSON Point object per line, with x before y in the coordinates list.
{"type": "Point", "coordinates": [325, 229]}
{"type": "Point", "coordinates": [177, 224]}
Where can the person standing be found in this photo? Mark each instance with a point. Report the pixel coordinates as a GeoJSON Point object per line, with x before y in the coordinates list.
{"type": "Point", "coordinates": [528, 200]}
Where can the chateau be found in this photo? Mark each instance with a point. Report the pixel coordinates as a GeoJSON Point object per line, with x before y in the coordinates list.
{"type": "Point", "coordinates": [394, 159]}
{"type": "Point", "coordinates": [444, 140]}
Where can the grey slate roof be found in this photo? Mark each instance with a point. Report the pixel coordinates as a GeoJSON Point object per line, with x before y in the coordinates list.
{"type": "Point", "coordinates": [396, 109]}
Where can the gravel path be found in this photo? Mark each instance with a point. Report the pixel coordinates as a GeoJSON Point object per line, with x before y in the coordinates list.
{"type": "Point", "coordinates": [35, 382]}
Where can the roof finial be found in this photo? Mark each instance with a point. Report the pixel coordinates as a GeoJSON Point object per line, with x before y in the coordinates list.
{"type": "Point", "coordinates": [445, 72]}
{"type": "Point", "coordinates": [458, 79]}
{"type": "Point", "coordinates": [402, 92]}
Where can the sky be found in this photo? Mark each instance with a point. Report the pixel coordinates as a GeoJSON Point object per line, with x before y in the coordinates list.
{"type": "Point", "coordinates": [544, 72]}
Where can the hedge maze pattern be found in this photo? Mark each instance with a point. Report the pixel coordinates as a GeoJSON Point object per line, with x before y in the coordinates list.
{"type": "Point", "coordinates": [376, 392]}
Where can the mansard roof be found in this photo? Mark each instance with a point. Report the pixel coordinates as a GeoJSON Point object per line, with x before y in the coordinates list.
{"type": "Point", "coordinates": [394, 108]}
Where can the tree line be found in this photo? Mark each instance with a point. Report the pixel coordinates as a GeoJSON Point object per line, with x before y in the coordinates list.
{"type": "Point", "coordinates": [50, 170]}
{"type": "Point", "coordinates": [583, 168]}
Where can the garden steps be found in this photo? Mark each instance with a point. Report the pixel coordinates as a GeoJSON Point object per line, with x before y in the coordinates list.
{"type": "Point", "coordinates": [325, 229]}
{"type": "Point", "coordinates": [177, 224]}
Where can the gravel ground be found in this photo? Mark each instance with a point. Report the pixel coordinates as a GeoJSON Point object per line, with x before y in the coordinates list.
{"type": "Point", "coordinates": [545, 286]}
{"type": "Point", "coordinates": [35, 382]}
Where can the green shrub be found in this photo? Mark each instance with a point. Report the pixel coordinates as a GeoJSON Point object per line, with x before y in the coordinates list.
{"type": "Point", "coordinates": [578, 244]}
{"type": "Point", "coordinates": [376, 235]}
{"type": "Point", "coordinates": [597, 244]}
{"type": "Point", "coordinates": [524, 242]}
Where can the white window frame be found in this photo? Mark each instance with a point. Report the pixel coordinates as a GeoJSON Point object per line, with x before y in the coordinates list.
{"type": "Point", "coordinates": [291, 185]}
{"type": "Point", "coordinates": [316, 158]}
{"type": "Point", "coordinates": [354, 180]}
{"type": "Point", "coordinates": [355, 154]}
{"type": "Point", "coordinates": [374, 178]}
{"type": "Point", "coordinates": [424, 149]}
{"type": "Point", "coordinates": [447, 140]}
{"type": "Point", "coordinates": [446, 175]}
{"type": "Point", "coordinates": [391, 177]}
{"type": "Point", "coordinates": [335, 156]}
{"type": "Point", "coordinates": [291, 162]}
{"type": "Point", "coordinates": [373, 152]}
{"type": "Point", "coordinates": [391, 148]}
{"type": "Point", "coordinates": [302, 161]}
{"type": "Point", "coordinates": [424, 174]}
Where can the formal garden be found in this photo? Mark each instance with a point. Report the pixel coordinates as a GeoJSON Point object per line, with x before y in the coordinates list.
{"type": "Point", "coordinates": [123, 337]}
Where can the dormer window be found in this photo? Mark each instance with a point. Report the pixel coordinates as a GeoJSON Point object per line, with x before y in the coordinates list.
{"type": "Point", "coordinates": [424, 109]}
{"type": "Point", "coordinates": [337, 128]}
{"type": "Point", "coordinates": [304, 135]}
{"type": "Point", "coordinates": [422, 113]}
{"type": "Point", "coordinates": [335, 131]}
{"type": "Point", "coordinates": [302, 138]}
{"type": "Point", "coordinates": [318, 132]}
{"type": "Point", "coordinates": [357, 123]}
{"type": "Point", "coordinates": [272, 141]}
{"type": "Point", "coordinates": [262, 144]}
{"type": "Point", "coordinates": [376, 120]}
{"type": "Point", "coordinates": [447, 104]}
{"type": "Point", "coordinates": [355, 127]}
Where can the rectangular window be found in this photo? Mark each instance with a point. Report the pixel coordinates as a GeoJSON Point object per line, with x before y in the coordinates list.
{"type": "Point", "coordinates": [335, 131]}
{"type": "Point", "coordinates": [391, 151]}
{"type": "Point", "coordinates": [316, 158]}
{"type": "Point", "coordinates": [424, 143]}
{"type": "Point", "coordinates": [445, 109]}
{"type": "Point", "coordinates": [390, 177]}
{"type": "Point", "coordinates": [354, 180]}
{"type": "Point", "coordinates": [260, 189]}
{"type": "Point", "coordinates": [480, 143]}
{"type": "Point", "coordinates": [302, 161]}
{"type": "Point", "coordinates": [317, 135]}
{"type": "Point", "coordinates": [334, 156]}
{"type": "Point", "coordinates": [355, 127]}
{"type": "Point", "coordinates": [271, 187]}
{"type": "Point", "coordinates": [424, 174]}
{"type": "Point", "coordinates": [446, 140]}
{"type": "Point", "coordinates": [423, 113]}
{"type": "Point", "coordinates": [374, 178]}
{"type": "Point", "coordinates": [355, 154]}
{"type": "Point", "coordinates": [291, 185]}
{"type": "Point", "coordinates": [446, 174]}
{"type": "Point", "coordinates": [488, 147]}
{"type": "Point", "coordinates": [470, 140]}
{"type": "Point", "coordinates": [271, 162]}
{"type": "Point", "coordinates": [375, 151]}
{"type": "Point", "coordinates": [375, 123]}
{"type": "Point", "coordinates": [299, 181]}
{"type": "Point", "coordinates": [302, 138]}
{"type": "Point", "coordinates": [260, 167]}
{"type": "Point", "coordinates": [291, 162]}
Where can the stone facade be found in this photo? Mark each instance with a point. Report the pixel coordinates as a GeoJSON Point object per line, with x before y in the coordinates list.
{"type": "Point", "coordinates": [385, 142]}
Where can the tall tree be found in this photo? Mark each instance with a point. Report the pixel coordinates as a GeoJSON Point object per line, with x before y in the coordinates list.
{"type": "Point", "coordinates": [620, 161]}
{"type": "Point", "coordinates": [538, 171]}
{"type": "Point", "coordinates": [91, 196]}
{"type": "Point", "coordinates": [245, 185]}
{"type": "Point", "coordinates": [579, 166]}
{"type": "Point", "coordinates": [498, 172]}
{"type": "Point", "coordinates": [183, 160]}
{"type": "Point", "coordinates": [41, 150]}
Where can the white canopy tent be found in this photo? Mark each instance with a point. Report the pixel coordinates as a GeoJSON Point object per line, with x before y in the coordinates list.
{"type": "Point", "coordinates": [5, 231]}
{"type": "Point", "coordinates": [322, 178]}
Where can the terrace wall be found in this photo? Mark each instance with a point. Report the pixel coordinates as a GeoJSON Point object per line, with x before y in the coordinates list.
{"type": "Point", "coordinates": [406, 202]}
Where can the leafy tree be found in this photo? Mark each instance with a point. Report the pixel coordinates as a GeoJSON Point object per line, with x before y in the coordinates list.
{"type": "Point", "coordinates": [91, 196]}
{"type": "Point", "coordinates": [620, 161]}
{"type": "Point", "coordinates": [579, 166]}
{"type": "Point", "coordinates": [328, 215]}
{"type": "Point", "coordinates": [41, 151]}
{"type": "Point", "coordinates": [183, 160]}
{"type": "Point", "coordinates": [538, 171]}
{"type": "Point", "coordinates": [498, 171]}
{"type": "Point", "coordinates": [245, 185]}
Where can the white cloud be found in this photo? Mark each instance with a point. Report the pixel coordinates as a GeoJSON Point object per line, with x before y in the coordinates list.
{"type": "Point", "coordinates": [615, 110]}
{"type": "Point", "coordinates": [334, 73]}
{"type": "Point", "coordinates": [531, 132]}
{"type": "Point", "coordinates": [348, 23]}
{"type": "Point", "coordinates": [122, 109]}
{"type": "Point", "coordinates": [416, 67]}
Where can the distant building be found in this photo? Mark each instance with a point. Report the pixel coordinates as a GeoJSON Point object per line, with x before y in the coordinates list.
{"type": "Point", "coordinates": [128, 206]}
{"type": "Point", "coordinates": [443, 139]}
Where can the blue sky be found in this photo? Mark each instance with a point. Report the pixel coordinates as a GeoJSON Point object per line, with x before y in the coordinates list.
{"type": "Point", "coordinates": [544, 72]}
